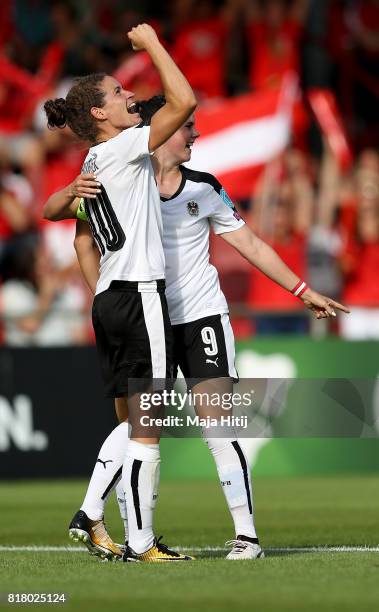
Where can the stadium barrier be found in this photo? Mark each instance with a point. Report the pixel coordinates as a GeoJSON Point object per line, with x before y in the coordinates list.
{"type": "Point", "coordinates": [53, 416]}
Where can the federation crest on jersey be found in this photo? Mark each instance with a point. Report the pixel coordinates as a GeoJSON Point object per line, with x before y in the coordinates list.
{"type": "Point", "coordinates": [193, 208]}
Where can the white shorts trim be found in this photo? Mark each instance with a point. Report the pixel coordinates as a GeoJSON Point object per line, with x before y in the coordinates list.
{"type": "Point", "coordinates": [152, 311]}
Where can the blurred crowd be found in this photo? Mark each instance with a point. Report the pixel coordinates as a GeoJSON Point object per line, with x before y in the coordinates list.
{"type": "Point", "coordinates": [323, 219]}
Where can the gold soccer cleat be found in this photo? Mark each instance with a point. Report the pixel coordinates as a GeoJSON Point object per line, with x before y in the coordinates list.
{"type": "Point", "coordinates": [95, 536]}
{"type": "Point", "coordinates": [158, 553]}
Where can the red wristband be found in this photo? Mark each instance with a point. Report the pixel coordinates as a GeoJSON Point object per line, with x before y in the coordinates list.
{"type": "Point", "coordinates": [299, 288]}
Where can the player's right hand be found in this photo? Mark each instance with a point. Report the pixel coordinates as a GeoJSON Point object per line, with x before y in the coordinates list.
{"type": "Point", "coordinates": [85, 186]}
{"type": "Point", "coordinates": [142, 37]}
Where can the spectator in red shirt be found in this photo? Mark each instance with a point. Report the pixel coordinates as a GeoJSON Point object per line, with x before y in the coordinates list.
{"type": "Point", "coordinates": [282, 217]}
{"type": "Point", "coordinates": [20, 92]}
{"type": "Point", "coordinates": [363, 21]}
{"type": "Point", "coordinates": [15, 217]}
{"type": "Point", "coordinates": [274, 34]}
{"type": "Point", "coordinates": [360, 253]}
{"type": "Point", "coordinates": [200, 44]}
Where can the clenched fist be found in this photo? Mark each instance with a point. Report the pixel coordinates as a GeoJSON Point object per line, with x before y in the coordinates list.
{"type": "Point", "coordinates": [142, 37]}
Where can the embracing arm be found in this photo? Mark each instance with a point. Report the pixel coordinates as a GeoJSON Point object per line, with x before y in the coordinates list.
{"type": "Point", "coordinates": [263, 257]}
{"type": "Point", "coordinates": [64, 204]}
{"type": "Point", "coordinates": [87, 253]}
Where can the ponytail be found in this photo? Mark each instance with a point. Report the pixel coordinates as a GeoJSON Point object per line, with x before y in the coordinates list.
{"type": "Point", "coordinates": [56, 113]}
{"type": "Point", "coordinates": [75, 110]}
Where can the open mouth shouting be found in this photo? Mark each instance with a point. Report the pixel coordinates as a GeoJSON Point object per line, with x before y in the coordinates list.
{"type": "Point", "coordinates": [133, 108]}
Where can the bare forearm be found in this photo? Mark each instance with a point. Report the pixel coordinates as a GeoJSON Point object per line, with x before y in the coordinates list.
{"type": "Point", "coordinates": [176, 88]}
{"type": "Point", "coordinates": [89, 258]}
{"type": "Point", "coordinates": [303, 203]}
{"type": "Point", "coordinates": [262, 256]}
{"type": "Point", "coordinates": [180, 99]}
{"type": "Point", "coordinates": [64, 203]}
{"type": "Point", "coordinates": [61, 205]}
{"type": "Point", "coordinates": [268, 261]}
{"type": "Point", "coordinates": [329, 187]}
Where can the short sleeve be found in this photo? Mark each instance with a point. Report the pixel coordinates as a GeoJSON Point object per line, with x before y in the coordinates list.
{"type": "Point", "coordinates": [225, 217]}
{"type": "Point", "coordinates": [132, 144]}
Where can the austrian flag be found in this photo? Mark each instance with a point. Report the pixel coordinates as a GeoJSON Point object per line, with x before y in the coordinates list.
{"type": "Point", "coordinates": [239, 135]}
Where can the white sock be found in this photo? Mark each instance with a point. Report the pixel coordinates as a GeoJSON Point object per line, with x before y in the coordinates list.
{"type": "Point", "coordinates": [107, 472]}
{"type": "Point", "coordinates": [234, 473]}
{"type": "Point", "coordinates": [140, 477]}
{"type": "Point", "coordinates": [122, 507]}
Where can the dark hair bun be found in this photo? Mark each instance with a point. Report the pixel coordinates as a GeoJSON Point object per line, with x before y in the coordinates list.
{"type": "Point", "coordinates": [147, 108]}
{"type": "Point", "coordinates": [56, 112]}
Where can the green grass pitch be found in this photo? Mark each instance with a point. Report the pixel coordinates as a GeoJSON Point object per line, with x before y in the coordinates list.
{"type": "Point", "coordinates": [299, 512]}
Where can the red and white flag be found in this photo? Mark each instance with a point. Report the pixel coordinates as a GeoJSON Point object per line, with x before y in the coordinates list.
{"type": "Point", "coordinates": [325, 108]}
{"type": "Point", "coordinates": [240, 135]}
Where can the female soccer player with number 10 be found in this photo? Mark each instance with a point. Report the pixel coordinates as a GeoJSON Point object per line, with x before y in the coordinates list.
{"type": "Point", "coordinates": [131, 321]}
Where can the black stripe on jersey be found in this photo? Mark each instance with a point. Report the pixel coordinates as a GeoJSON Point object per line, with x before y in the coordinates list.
{"type": "Point", "coordinates": [242, 459]}
{"type": "Point", "coordinates": [196, 177]}
{"type": "Point", "coordinates": [101, 210]}
{"type": "Point", "coordinates": [114, 234]}
{"type": "Point", "coordinates": [93, 227]}
{"type": "Point", "coordinates": [134, 484]}
{"type": "Point", "coordinates": [112, 483]}
{"type": "Point", "coordinates": [201, 177]}
{"type": "Point", "coordinates": [204, 177]}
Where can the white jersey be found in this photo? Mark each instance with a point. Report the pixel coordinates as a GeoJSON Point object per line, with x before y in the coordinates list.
{"type": "Point", "coordinates": [125, 218]}
{"type": "Point", "coordinates": [192, 285]}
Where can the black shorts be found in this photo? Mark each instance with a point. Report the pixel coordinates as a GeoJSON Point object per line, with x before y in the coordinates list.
{"type": "Point", "coordinates": [205, 349]}
{"type": "Point", "coordinates": [133, 334]}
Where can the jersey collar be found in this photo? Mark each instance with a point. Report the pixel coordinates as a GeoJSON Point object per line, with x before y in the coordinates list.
{"type": "Point", "coordinates": [180, 188]}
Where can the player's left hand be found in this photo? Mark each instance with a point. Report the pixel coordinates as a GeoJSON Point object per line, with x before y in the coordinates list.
{"type": "Point", "coordinates": [322, 306]}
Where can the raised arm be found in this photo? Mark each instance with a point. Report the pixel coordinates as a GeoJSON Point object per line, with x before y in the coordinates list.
{"type": "Point", "coordinates": [329, 187]}
{"type": "Point", "coordinates": [266, 197]}
{"type": "Point", "coordinates": [302, 191]}
{"type": "Point", "coordinates": [263, 257]}
{"type": "Point", "coordinates": [87, 253]}
{"type": "Point", "coordinates": [180, 99]}
{"type": "Point", "coordinates": [64, 204]}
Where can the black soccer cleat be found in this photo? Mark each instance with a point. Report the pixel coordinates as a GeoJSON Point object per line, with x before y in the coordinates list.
{"type": "Point", "coordinates": [95, 536]}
